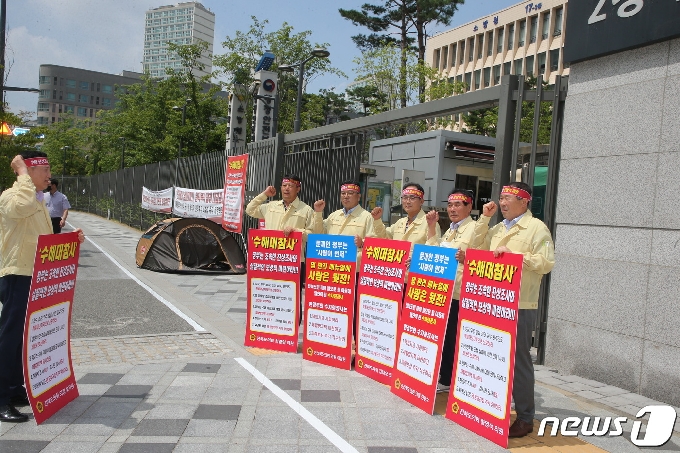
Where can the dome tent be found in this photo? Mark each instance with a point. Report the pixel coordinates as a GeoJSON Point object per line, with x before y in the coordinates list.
{"type": "Point", "coordinates": [189, 245]}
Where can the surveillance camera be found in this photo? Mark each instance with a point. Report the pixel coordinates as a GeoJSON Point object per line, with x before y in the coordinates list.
{"type": "Point", "coordinates": [254, 86]}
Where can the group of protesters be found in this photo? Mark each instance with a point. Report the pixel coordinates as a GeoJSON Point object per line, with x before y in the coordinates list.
{"type": "Point", "coordinates": [519, 232]}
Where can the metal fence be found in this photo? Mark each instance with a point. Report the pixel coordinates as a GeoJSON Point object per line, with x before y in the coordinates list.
{"type": "Point", "coordinates": [323, 157]}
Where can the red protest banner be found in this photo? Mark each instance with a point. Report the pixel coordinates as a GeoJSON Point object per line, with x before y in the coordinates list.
{"type": "Point", "coordinates": [234, 192]}
{"type": "Point", "coordinates": [48, 370]}
{"type": "Point", "coordinates": [423, 324]}
{"type": "Point", "coordinates": [481, 387]}
{"type": "Point", "coordinates": [380, 289]}
{"type": "Point", "coordinates": [273, 290]}
{"type": "Point", "coordinates": [329, 299]}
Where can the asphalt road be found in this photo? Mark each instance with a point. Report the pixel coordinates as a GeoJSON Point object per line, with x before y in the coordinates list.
{"type": "Point", "coordinates": [108, 303]}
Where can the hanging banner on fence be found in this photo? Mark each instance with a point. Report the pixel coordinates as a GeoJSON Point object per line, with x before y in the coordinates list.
{"type": "Point", "coordinates": [422, 325]}
{"type": "Point", "coordinates": [203, 204]}
{"type": "Point", "coordinates": [329, 299]}
{"type": "Point", "coordinates": [273, 290]}
{"type": "Point", "coordinates": [157, 201]}
{"type": "Point", "coordinates": [48, 370]}
{"type": "Point", "coordinates": [234, 192]}
{"type": "Point", "coordinates": [380, 289]}
{"type": "Point", "coordinates": [481, 388]}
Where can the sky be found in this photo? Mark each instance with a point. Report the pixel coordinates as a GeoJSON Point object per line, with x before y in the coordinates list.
{"type": "Point", "coordinates": [108, 35]}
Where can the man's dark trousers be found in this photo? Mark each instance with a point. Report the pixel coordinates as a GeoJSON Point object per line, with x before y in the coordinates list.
{"type": "Point", "coordinates": [14, 296]}
{"type": "Point", "coordinates": [56, 225]}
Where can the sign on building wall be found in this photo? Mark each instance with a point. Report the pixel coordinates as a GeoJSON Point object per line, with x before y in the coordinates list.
{"type": "Point", "coordinates": [264, 104]}
{"type": "Point", "coordinates": [236, 135]}
{"type": "Point", "coordinates": [600, 27]}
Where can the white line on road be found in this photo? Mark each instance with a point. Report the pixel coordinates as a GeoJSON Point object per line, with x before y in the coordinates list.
{"type": "Point", "coordinates": [299, 408]}
{"type": "Point", "coordinates": [197, 327]}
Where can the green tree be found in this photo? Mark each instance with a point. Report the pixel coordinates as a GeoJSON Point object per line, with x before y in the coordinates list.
{"type": "Point", "coordinates": [369, 97]}
{"type": "Point", "coordinates": [65, 143]}
{"type": "Point", "coordinates": [10, 146]}
{"type": "Point", "coordinates": [324, 108]}
{"type": "Point", "coordinates": [244, 50]}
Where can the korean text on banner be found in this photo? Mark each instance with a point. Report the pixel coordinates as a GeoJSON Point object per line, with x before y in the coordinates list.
{"type": "Point", "coordinates": [273, 290]}
{"type": "Point", "coordinates": [329, 299]}
{"type": "Point", "coordinates": [48, 370]}
{"type": "Point", "coordinates": [234, 192]}
{"type": "Point", "coordinates": [481, 388]}
{"type": "Point", "coordinates": [203, 204]}
{"type": "Point", "coordinates": [422, 325]}
{"type": "Point", "coordinates": [380, 292]}
{"type": "Point", "coordinates": [157, 201]}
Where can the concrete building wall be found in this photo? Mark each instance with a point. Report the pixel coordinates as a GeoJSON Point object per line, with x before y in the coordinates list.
{"type": "Point", "coordinates": [613, 313]}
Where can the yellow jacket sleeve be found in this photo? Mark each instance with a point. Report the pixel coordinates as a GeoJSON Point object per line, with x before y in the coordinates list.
{"type": "Point", "coordinates": [21, 203]}
{"type": "Point", "coordinates": [380, 231]}
{"type": "Point", "coordinates": [481, 235]}
{"type": "Point", "coordinates": [542, 257]}
{"type": "Point", "coordinates": [255, 207]}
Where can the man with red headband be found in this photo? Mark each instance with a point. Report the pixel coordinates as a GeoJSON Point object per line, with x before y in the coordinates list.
{"type": "Point", "coordinates": [522, 233]}
{"type": "Point", "coordinates": [458, 236]}
{"type": "Point", "coordinates": [23, 217]}
{"type": "Point", "coordinates": [413, 227]}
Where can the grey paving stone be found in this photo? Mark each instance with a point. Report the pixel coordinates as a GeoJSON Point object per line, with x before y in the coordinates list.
{"type": "Point", "coordinates": [105, 409]}
{"type": "Point", "coordinates": [589, 395]}
{"type": "Point", "coordinates": [128, 391]}
{"type": "Point", "coordinates": [100, 378]}
{"type": "Point", "coordinates": [392, 450]}
{"type": "Point", "coordinates": [217, 412]}
{"type": "Point", "coordinates": [163, 410]}
{"type": "Point", "coordinates": [238, 310]}
{"type": "Point", "coordinates": [22, 446]}
{"type": "Point", "coordinates": [73, 447]}
{"type": "Point", "coordinates": [615, 400]}
{"type": "Point", "coordinates": [191, 447]}
{"type": "Point", "coordinates": [161, 427]}
{"type": "Point", "coordinates": [288, 384]}
{"type": "Point", "coordinates": [210, 428]}
{"type": "Point", "coordinates": [574, 386]}
{"type": "Point", "coordinates": [610, 390]}
{"type": "Point", "coordinates": [550, 380]}
{"type": "Point", "coordinates": [226, 291]}
{"type": "Point", "coordinates": [320, 396]}
{"type": "Point", "coordinates": [146, 448]}
{"type": "Point", "coordinates": [205, 293]}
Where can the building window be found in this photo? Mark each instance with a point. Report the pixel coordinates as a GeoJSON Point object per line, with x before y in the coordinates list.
{"type": "Point", "coordinates": [53, 119]}
{"type": "Point", "coordinates": [44, 80]}
{"type": "Point", "coordinates": [43, 107]}
{"type": "Point", "coordinates": [522, 33]}
{"type": "Point", "coordinates": [478, 76]}
{"type": "Point", "coordinates": [511, 36]}
{"type": "Point", "coordinates": [480, 46]}
{"type": "Point", "coordinates": [541, 63]}
{"type": "Point", "coordinates": [501, 38]}
{"type": "Point", "coordinates": [71, 97]}
{"type": "Point", "coordinates": [489, 44]}
{"type": "Point", "coordinates": [533, 29]}
{"type": "Point", "coordinates": [61, 95]}
{"type": "Point", "coordinates": [59, 108]}
{"type": "Point", "coordinates": [518, 66]}
{"type": "Point", "coordinates": [462, 51]}
{"type": "Point", "coordinates": [83, 98]}
{"type": "Point", "coordinates": [97, 87]}
{"type": "Point", "coordinates": [507, 68]}
{"type": "Point", "coordinates": [54, 94]}
{"type": "Point", "coordinates": [91, 112]}
{"type": "Point", "coordinates": [82, 111]}
{"type": "Point", "coordinates": [487, 77]}
{"type": "Point", "coordinates": [54, 108]}
{"type": "Point", "coordinates": [496, 74]}
{"type": "Point", "coordinates": [545, 30]}
{"type": "Point", "coordinates": [471, 49]}
{"type": "Point", "coordinates": [437, 53]}
{"type": "Point", "coordinates": [42, 120]}
{"type": "Point", "coordinates": [70, 83]}
{"type": "Point", "coordinates": [55, 81]}
{"type": "Point", "coordinates": [453, 55]}
{"type": "Point", "coordinates": [558, 21]}
{"type": "Point", "coordinates": [106, 102]}
{"type": "Point", "coordinates": [530, 65]}
{"type": "Point", "coordinates": [44, 94]}
{"type": "Point", "coordinates": [468, 81]}
{"type": "Point", "coordinates": [445, 57]}
{"type": "Point", "coordinates": [84, 85]}
{"type": "Point", "coordinates": [96, 102]}
{"type": "Point", "coordinates": [68, 109]}
{"type": "Point", "coordinates": [107, 89]}
{"type": "Point", "coordinates": [554, 59]}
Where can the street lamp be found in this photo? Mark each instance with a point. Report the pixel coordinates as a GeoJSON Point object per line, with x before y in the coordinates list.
{"type": "Point", "coordinates": [63, 160]}
{"type": "Point", "coordinates": [122, 152]}
{"type": "Point", "coordinates": [316, 53]}
{"type": "Point", "coordinates": [184, 117]}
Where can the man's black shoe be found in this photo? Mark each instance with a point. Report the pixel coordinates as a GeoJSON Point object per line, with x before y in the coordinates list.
{"type": "Point", "coordinates": [19, 400]}
{"type": "Point", "coordinates": [8, 413]}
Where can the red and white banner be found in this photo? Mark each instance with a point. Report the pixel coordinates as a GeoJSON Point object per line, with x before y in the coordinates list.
{"type": "Point", "coordinates": [204, 204]}
{"type": "Point", "coordinates": [329, 299]}
{"type": "Point", "coordinates": [48, 370]}
{"type": "Point", "coordinates": [481, 387]}
{"type": "Point", "coordinates": [157, 201]}
{"type": "Point", "coordinates": [234, 192]}
{"type": "Point", "coordinates": [381, 288]}
{"type": "Point", "coordinates": [422, 325]}
{"type": "Point", "coordinates": [273, 290]}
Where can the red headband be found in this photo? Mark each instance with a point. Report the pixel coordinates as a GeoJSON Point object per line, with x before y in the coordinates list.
{"type": "Point", "coordinates": [412, 191]}
{"type": "Point", "coordinates": [460, 197]}
{"type": "Point", "coordinates": [291, 181]}
{"type": "Point", "coordinates": [36, 161]}
{"type": "Point", "coordinates": [346, 187]}
{"type": "Point", "coordinates": [509, 190]}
